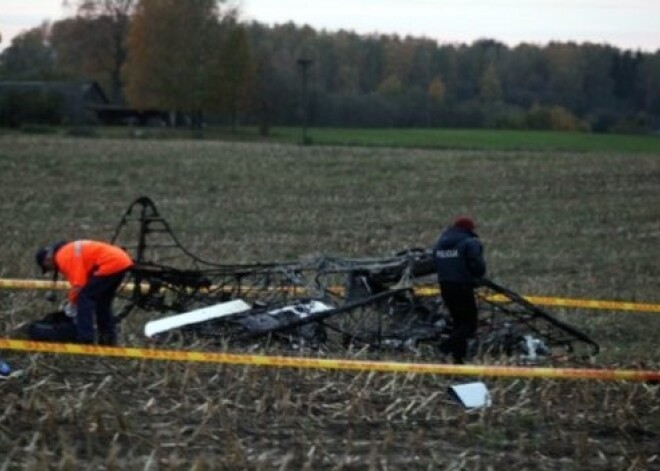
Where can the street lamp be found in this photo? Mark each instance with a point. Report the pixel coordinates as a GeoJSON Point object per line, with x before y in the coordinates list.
{"type": "Point", "coordinates": [304, 64]}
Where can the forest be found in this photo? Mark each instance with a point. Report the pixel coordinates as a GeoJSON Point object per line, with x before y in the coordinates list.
{"type": "Point", "coordinates": [202, 60]}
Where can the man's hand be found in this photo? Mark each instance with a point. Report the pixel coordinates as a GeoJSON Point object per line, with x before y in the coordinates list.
{"type": "Point", "coordinates": [69, 309]}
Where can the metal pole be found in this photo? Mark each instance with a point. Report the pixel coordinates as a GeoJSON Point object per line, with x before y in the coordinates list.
{"type": "Point", "coordinates": [304, 64]}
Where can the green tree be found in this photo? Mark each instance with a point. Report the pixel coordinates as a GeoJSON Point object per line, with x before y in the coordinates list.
{"type": "Point", "coordinates": [82, 51]}
{"type": "Point", "coordinates": [370, 63]}
{"type": "Point", "coordinates": [649, 84]}
{"type": "Point", "coordinates": [231, 70]}
{"type": "Point", "coordinates": [29, 57]}
{"type": "Point", "coordinates": [598, 83]}
{"type": "Point", "coordinates": [565, 69]}
{"type": "Point", "coordinates": [398, 58]}
{"type": "Point", "coordinates": [391, 86]}
{"type": "Point", "coordinates": [523, 74]}
{"type": "Point", "coordinates": [490, 89]}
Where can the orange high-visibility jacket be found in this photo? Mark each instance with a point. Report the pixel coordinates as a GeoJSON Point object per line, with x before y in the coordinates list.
{"type": "Point", "coordinates": [80, 259]}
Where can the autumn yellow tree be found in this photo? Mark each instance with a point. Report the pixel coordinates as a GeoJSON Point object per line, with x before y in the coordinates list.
{"type": "Point", "coordinates": [437, 90]}
{"type": "Point", "coordinates": [171, 45]}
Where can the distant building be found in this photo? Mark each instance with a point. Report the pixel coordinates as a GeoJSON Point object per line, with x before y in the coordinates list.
{"type": "Point", "coordinates": [75, 100]}
{"type": "Point", "coordinates": [81, 102]}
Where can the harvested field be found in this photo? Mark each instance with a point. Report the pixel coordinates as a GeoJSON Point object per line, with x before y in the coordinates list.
{"type": "Point", "coordinates": [575, 225]}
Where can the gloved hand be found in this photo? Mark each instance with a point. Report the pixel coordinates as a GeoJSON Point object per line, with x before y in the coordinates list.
{"type": "Point", "coordinates": [69, 309]}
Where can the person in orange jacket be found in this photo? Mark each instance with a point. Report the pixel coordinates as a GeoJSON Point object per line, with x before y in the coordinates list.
{"type": "Point", "coordinates": [95, 270]}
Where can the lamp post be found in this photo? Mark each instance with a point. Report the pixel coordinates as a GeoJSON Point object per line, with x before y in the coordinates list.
{"type": "Point", "coordinates": [304, 64]}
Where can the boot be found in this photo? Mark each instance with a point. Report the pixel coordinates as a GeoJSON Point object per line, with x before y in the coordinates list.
{"type": "Point", "coordinates": [109, 340]}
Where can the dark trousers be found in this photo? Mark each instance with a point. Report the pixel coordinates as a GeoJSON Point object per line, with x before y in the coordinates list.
{"type": "Point", "coordinates": [95, 303]}
{"type": "Point", "coordinates": [459, 299]}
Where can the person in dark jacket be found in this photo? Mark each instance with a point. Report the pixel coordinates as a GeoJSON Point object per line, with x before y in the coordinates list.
{"type": "Point", "coordinates": [460, 265]}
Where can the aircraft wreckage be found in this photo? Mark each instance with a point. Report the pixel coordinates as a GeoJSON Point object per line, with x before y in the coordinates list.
{"type": "Point", "coordinates": [324, 302]}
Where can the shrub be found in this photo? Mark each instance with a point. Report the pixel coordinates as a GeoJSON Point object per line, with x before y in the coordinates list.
{"type": "Point", "coordinates": [82, 131]}
{"type": "Point", "coordinates": [634, 124]}
{"type": "Point", "coordinates": [37, 129]}
{"type": "Point", "coordinates": [603, 122]}
{"type": "Point", "coordinates": [554, 118]}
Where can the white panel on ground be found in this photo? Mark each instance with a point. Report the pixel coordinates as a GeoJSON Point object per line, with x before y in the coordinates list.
{"type": "Point", "coordinates": [302, 310]}
{"type": "Point", "coordinates": [471, 395]}
{"type": "Point", "coordinates": [193, 317]}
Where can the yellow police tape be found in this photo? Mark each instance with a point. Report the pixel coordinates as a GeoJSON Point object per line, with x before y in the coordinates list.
{"type": "Point", "coordinates": [421, 290]}
{"type": "Point", "coordinates": [332, 364]}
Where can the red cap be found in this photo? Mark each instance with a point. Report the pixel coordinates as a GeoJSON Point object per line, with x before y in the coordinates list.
{"type": "Point", "coordinates": [464, 222]}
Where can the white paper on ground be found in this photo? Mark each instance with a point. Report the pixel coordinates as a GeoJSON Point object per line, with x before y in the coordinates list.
{"type": "Point", "coordinates": [193, 317]}
{"type": "Point", "coordinates": [471, 395]}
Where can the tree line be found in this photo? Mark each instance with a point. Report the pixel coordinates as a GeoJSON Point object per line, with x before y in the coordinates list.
{"type": "Point", "coordinates": [199, 59]}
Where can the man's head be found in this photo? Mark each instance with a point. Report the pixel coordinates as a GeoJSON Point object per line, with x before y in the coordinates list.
{"type": "Point", "coordinates": [464, 222]}
{"type": "Point", "coordinates": [45, 256]}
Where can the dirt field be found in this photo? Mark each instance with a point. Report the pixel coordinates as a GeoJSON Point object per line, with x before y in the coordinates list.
{"type": "Point", "coordinates": [575, 225]}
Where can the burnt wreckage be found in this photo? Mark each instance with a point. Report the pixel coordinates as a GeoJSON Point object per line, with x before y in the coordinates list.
{"type": "Point", "coordinates": [322, 302]}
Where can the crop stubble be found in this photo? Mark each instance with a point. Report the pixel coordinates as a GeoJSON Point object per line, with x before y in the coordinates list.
{"type": "Point", "coordinates": [572, 225]}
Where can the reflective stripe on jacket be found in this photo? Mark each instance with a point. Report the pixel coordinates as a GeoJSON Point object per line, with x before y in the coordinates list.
{"type": "Point", "coordinates": [81, 259]}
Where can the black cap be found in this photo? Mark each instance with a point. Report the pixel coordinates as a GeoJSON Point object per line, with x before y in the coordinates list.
{"type": "Point", "coordinates": [40, 257]}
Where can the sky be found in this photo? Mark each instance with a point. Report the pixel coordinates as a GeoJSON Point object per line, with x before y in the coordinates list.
{"type": "Point", "coordinates": [626, 24]}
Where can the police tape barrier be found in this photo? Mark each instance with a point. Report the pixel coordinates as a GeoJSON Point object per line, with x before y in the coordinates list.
{"type": "Point", "coordinates": [49, 285]}
{"type": "Point", "coordinates": [330, 364]}
{"type": "Point", "coordinates": [421, 291]}
{"type": "Point", "coordinates": [32, 284]}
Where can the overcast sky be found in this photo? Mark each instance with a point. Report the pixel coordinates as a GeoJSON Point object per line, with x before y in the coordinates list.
{"type": "Point", "coordinates": [627, 24]}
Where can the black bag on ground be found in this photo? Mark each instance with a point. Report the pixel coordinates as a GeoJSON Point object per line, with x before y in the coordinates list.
{"type": "Point", "coordinates": [54, 327]}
